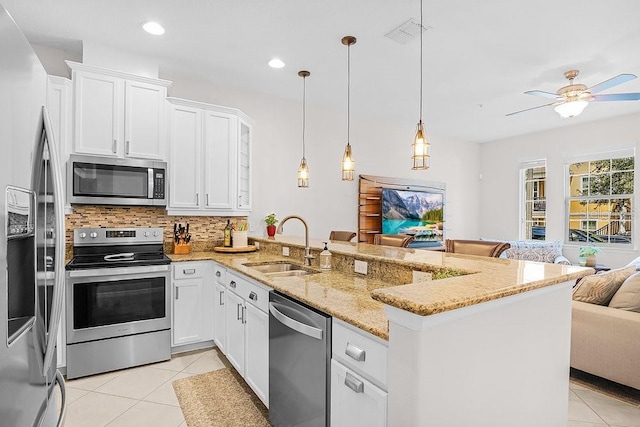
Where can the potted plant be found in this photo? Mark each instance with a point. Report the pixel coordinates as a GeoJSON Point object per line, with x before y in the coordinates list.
{"type": "Point", "coordinates": [588, 254]}
{"type": "Point", "coordinates": [271, 220]}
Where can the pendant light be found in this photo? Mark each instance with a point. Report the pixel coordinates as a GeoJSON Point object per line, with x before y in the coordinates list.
{"type": "Point", "coordinates": [348, 165]}
{"type": "Point", "coordinates": [303, 170]}
{"type": "Point", "coordinates": [421, 148]}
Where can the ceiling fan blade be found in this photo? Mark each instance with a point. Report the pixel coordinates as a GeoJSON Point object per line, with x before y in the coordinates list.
{"type": "Point", "coordinates": [617, 97]}
{"type": "Point", "coordinates": [532, 108]}
{"type": "Point", "coordinates": [542, 93]}
{"type": "Point", "coordinates": [614, 81]}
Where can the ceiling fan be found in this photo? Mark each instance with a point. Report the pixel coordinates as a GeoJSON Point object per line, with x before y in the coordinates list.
{"type": "Point", "coordinates": [570, 100]}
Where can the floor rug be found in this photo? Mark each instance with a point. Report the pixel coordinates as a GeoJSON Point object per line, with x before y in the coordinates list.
{"type": "Point", "coordinates": [219, 398]}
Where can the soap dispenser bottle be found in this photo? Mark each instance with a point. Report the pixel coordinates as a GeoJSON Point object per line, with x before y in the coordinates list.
{"type": "Point", "coordinates": [325, 258]}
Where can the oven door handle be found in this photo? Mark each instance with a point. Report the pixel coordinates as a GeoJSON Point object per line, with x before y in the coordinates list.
{"type": "Point", "coordinates": [124, 256]}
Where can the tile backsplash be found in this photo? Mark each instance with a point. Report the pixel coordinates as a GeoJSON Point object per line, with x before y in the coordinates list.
{"type": "Point", "coordinates": [206, 231]}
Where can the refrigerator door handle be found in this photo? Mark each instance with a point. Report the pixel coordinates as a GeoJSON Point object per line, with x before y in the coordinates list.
{"type": "Point", "coordinates": [59, 236]}
{"type": "Point", "coordinates": [63, 395]}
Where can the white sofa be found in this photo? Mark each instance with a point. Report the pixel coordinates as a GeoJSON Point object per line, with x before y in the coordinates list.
{"type": "Point", "coordinates": [534, 250]}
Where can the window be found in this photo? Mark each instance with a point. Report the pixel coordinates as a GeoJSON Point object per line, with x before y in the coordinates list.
{"type": "Point", "coordinates": [600, 199]}
{"type": "Point", "coordinates": [533, 210]}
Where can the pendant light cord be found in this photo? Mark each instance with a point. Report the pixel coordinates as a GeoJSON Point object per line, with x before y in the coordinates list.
{"type": "Point", "coordinates": [421, 61]}
{"type": "Point", "coordinates": [348, 91]}
{"type": "Point", "coordinates": [304, 112]}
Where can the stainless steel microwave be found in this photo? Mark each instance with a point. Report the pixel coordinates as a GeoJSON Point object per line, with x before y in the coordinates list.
{"type": "Point", "coordinates": [116, 181]}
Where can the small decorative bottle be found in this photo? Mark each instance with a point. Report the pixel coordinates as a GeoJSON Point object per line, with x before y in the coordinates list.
{"type": "Point", "coordinates": [325, 258]}
{"type": "Point", "coordinates": [227, 235]}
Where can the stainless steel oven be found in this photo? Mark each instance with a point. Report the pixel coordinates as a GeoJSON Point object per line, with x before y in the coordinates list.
{"type": "Point", "coordinates": [118, 295]}
{"type": "Point", "coordinates": [116, 181]}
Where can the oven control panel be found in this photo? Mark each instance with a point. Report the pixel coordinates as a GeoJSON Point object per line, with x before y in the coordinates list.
{"type": "Point", "coordinates": [110, 236]}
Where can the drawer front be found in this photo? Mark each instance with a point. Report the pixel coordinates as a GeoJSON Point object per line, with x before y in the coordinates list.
{"type": "Point", "coordinates": [354, 400]}
{"type": "Point", "coordinates": [360, 351]}
{"type": "Point", "coordinates": [256, 295]}
{"type": "Point", "coordinates": [188, 270]}
{"type": "Point", "coordinates": [220, 275]}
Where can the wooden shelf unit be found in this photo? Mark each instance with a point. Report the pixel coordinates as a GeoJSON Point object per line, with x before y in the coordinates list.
{"type": "Point", "coordinates": [369, 209]}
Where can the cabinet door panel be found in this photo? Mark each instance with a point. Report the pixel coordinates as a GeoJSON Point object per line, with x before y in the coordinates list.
{"type": "Point", "coordinates": [144, 120]}
{"type": "Point", "coordinates": [257, 348]}
{"type": "Point", "coordinates": [187, 311]}
{"type": "Point", "coordinates": [220, 323]}
{"type": "Point", "coordinates": [219, 135]}
{"type": "Point", "coordinates": [98, 114]}
{"type": "Point", "coordinates": [350, 408]}
{"type": "Point", "coordinates": [234, 307]}
{"type": "Point", "coordinates": [185, 166]}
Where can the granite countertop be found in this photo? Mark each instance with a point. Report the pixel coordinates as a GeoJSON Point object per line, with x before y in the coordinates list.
{"type": "Point", "coordinates": [359, 299]}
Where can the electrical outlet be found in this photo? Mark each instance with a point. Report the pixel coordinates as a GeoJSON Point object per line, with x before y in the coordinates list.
{"type": "Point", "coordinates": [285, 251]}
{"type": "Point", "coordinates": [360, 267]}
{"type": "Point", "coordinates": [421, 276]}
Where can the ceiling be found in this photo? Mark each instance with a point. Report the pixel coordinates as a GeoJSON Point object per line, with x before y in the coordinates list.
{"type": "Point", "coordinates": [479, 57]}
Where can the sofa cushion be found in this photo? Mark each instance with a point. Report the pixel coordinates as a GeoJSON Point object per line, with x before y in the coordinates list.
{"type": "Point", "coordinates": [628, 296]}
{"type": "Point", "coordinates": [600, 288]}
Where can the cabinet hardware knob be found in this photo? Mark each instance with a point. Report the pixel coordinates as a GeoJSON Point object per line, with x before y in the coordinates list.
{"type": "Point", "coordinates": [232, 284]}
{"type": "Point", "coordinates": [217, 274]}
{"type": "Point", "coordinates": [353, 383]}
{"type": "Point", "coordinates": [253, 296]}
{"type": "Point", "coordinates": [355, 353]}
{"type": "Point", "coordinates": [189, 271]}
{"type": "Point", "coordinates": [177, 293]}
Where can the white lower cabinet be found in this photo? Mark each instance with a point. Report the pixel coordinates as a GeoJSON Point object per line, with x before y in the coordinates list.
{"type": "Point", "coordinates": [256, 369]}
{"type": "Point", "coordinates": [354, 400]}
{"type": "Point", "coordinates": [219, 318]}
{"type": "Point", "coordinates": [247, 338]}
{"type": "Point", "coordinates": [358, 377]}
{"type": "Point", "coordinates": [192, 303]}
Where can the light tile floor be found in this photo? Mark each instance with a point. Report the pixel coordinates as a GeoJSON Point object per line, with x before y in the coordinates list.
{"type": "Point", "coordinates": [144, 396]}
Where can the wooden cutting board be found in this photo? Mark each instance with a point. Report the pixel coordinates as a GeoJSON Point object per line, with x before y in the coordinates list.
{"type": "Point", "coordinates": [240, 249]}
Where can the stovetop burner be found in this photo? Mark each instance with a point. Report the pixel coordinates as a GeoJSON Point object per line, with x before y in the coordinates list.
{"type": "Point", "coordinates": [112, 247]}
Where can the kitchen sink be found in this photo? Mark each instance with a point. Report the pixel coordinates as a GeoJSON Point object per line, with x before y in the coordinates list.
{"type": "Point", "coordinates": [281, 269]}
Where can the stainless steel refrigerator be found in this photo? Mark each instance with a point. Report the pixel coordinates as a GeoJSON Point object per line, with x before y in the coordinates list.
{"type": "Point", "coordinates": [31, 240]}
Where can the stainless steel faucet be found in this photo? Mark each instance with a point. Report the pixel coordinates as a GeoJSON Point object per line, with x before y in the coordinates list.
{"type": "Point", "coordinates": [307, 250]}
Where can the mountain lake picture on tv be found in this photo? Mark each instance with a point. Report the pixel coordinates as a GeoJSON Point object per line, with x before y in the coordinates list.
{"type": "Point", "coordinates": [415, 213]}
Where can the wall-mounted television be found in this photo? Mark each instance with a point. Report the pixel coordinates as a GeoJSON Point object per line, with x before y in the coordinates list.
{"type": "Point", "coordinates": [419, 213]}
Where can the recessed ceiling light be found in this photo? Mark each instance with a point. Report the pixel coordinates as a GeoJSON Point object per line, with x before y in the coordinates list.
{"type": "Point", "coordinates": [153, 28]}
{"type": "Point", "coordinates": [276, 63]}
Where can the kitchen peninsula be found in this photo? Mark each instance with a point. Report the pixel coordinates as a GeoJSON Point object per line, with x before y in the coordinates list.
{"type": "Point", "coordinates": [490, 335]}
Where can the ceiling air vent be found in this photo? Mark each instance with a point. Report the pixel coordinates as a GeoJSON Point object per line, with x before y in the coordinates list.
{"type": "Point", "coordinates": [406, 31]}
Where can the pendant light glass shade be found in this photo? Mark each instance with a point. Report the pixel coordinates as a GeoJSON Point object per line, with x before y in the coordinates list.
{"type": "Point", "coordinates": [303, 170]}
{"type": "Point", "coordinates": [348, 164]}
{"type": "Point", "coordinates": [421, 150]}
{"type": "Point", "coordinates": [303, 174]}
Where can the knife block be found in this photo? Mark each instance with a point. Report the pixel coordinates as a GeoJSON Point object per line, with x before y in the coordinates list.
{"type": "Point", "coordinates": [181, 248]}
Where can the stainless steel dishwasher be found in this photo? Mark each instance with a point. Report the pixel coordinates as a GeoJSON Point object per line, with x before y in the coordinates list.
{"type": "Point", "coordinates": [299, 363]}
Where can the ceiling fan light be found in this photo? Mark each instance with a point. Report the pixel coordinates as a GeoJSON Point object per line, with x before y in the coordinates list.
{"type": "Point", "coordinates": [571, 108]}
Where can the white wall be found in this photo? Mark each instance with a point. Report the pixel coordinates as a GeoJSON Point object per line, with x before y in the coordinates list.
{"type": "Point", "coordinates": [499, 187]}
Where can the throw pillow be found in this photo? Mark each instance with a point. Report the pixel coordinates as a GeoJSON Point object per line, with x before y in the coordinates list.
{"type": "Point", "coordinates": [628, 296]}
{"type": "Point", "coordinates": [600, 288]}
{"type": "Point", "coordinates": [539, 253]}
{"type": "Point", "coordinates": [635, 263]}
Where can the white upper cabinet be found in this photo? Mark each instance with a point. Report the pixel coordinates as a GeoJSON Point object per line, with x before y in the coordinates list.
{"type": "Point", "coordinates": [210, 159]}
{"type": "Point", "coordinates": [118, 114]}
